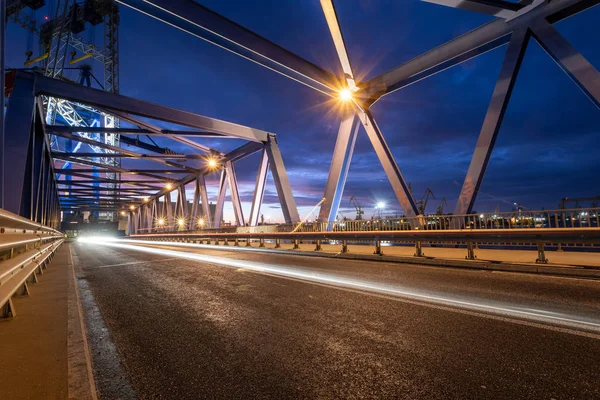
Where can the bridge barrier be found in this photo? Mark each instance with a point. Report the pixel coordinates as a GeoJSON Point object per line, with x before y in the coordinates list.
{"type": "Point", "coordinates": [463, 237]}
{"type": "Point", "coordinates": [25, 249]}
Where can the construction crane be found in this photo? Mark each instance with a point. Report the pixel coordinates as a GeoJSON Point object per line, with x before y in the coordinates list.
{"type": "Point", "coordinates": [422, 204]}
{"type": "Point", "coordinates": [440, 209]}
{"type": "Point", "coordinates": [594, 201]}
{"type": "Point", "coordinates": [359, 210]}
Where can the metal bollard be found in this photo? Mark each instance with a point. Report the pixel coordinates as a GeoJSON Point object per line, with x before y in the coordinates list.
{"type": "Point", "coordinates": [541, 254]}
{"type": "Point", "coordinates": [296, 244]}
{"type": "Point", "coordinates": [418, 249]}
{"type": "Point", "coordinates": [378, 248]}
{"type": "Point", "coordinates": [344, 246]}
{"type": "Point", "coordinates": [470, 251]}
{"type": "Point", "coordinates": [318, 245]}
{"type": "Point", "coordinates": [277, 243]}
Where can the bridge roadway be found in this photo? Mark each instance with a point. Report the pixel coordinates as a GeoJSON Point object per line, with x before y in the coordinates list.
{"type": "Point", "coordinates": [208, 323]}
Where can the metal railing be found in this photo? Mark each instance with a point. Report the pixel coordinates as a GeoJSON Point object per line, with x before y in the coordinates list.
{"type": "Point", "coordinates": [468, 238]}
{"type": "Point", "coordinates": [25, 250]}
{"type": "Point", "coordinates": [547, 219]}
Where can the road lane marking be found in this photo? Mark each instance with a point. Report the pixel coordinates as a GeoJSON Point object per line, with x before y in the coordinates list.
{"type": "Point", "coordinates": [133, 263]}
{"type": "Point", "coordinates": [542, 318]}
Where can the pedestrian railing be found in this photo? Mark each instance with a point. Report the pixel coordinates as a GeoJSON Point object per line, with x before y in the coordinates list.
{"type": "Point", "coordinates": [25, 250]}
{"type": "Point", "coordinates": [580, 218]}
{"type": "Point", "coordinates": [468, 238]}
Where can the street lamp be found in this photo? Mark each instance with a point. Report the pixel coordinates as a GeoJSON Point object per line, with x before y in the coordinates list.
{"type": "Point", "coordinates": [169, 186]}
{"type": "Point", "coordinates": [160, 222]}
{"type": "Point", "coordinates": [345, 94]}
{"type": "Point", "coordinates": [132, 207]}
{"type": "Point", "coordinates": [201, 222]}
{"type": "Point", "coordinates": [181, 222]}
{"type": "Point", "coordinates": [379, 206]}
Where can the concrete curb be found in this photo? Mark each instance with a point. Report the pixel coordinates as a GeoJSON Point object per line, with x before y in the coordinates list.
{"type": "Point", "coordinates": [541, 269]}
{"type": "Point", "coordinates": [81, 377]}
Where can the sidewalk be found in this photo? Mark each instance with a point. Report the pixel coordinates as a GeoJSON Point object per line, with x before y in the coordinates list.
{"type": "Point", "coordinates": [42, 353]}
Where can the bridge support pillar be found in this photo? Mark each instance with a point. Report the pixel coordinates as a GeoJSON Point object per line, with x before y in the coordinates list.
{"type": "Point", "coordinates": [419, 249]}
{"type": "Point", "coordinates": [541, 254]}
{"type": "Point", "coordinates": [378, 250]}
{"type": "Point", "coordinates": [470, 251]}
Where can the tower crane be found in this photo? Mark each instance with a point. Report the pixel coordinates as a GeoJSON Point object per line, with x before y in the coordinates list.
{"type": "Point", "coordinates": [359, 210]}
{"type": "Point", "coordinates": [440, 209]}
{"type": "Point", "coordinates": [422, 204]}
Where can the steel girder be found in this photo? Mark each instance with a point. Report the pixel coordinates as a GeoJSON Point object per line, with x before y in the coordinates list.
{"type": "Point", "coordinates": [493, 120]}
{"type": "Point", "coordinates": [259, 189]}
{"type": "Point", "coordinates": [201, 22]}
{"type": "Point", "coordinates": [535, 14]}
{"type": "Point", "coordinates": [115, 103]}
{"type": "Point", "coordinates": [338, 170]}
{"type": "Point", "coordinates": [81, 193]}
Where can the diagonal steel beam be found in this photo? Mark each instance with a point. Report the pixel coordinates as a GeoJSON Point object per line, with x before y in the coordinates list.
{"type": "Point", "coordinates": [476, 42]}
{"type": "Point", "coordinates": [497, 8]}
{"type": "Point", "coordinates": [585, 76]}
{"type": "Point", "coordinates": [493, 121]}
{"type": "Point", "coordinates": [339, 167]}
{"type": "Point", "coordinates": [201, 22]}
{"type": "Point", "coordinates": [112, 102]}
{"type": "Point", "coordinates": [399, 185]}
{"type": "Point", "coordinates": [338, 42]}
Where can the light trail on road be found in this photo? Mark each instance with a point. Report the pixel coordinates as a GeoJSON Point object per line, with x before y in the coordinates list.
{"type": "Point", "coordinates": [517, 314]}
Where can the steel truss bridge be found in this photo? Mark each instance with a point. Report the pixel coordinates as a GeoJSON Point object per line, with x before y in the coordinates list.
{"type": "Point", "coordinates": [29, 187]}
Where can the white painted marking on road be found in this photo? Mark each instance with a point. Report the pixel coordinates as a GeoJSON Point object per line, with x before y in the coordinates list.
{"type": "Point", "coordinates": [511, 313]}
{"type": "Point", "coordinates": [133, 263]}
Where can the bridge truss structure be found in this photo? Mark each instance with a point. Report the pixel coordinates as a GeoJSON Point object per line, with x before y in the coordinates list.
{"type": "Point", "coordinates": [514, 25]}
{"type": "Point", "coordinates": [30, 187]}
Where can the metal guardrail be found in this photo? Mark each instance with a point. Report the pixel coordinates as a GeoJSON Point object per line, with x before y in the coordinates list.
{"type": "Point", "coordinates": [466, 237]}
{"type": "Point", "coordinates": [25, 250]}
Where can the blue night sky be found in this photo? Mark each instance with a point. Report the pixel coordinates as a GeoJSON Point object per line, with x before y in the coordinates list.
{"type": "Point", "coordinates": [547, 148]}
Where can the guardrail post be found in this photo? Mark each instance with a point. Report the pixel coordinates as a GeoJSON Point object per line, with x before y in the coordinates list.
{"type": "Point", "coordinates": [296, 244]}
{"type": "Point", "coordinates": [541, 254]}
{"type": "Point", "coordinates": [418, 249]}
{"type": "Point", "coordinates": [248, 243]}
{"type": "Point", "coordinates": [318, 246]}
{"type": "Point", "coordinates": [559, 248]}
{"type": "Point", "coordinates": [277, 243]}
{"type": "Point", "coordinates": [23, 290]}
{"type": "Point", "coordinates": [8, 310]}
{"type": "Point", "coordinates": [236, 242]}
{"type": "Point", "coordinates": [470, 251]}
{"type": "Point", "coordinates": [344, 246]}
{"type": "Point", "coordinates": [32, 278]}
{"type": "Point", "coordinates": [261, 242]}
{"type": "Point", "coordinates": [226, 242]}
{"type": "Point", "coordinates": [378, 248]}
{"type": "Point", "coordinates": [216, 241]}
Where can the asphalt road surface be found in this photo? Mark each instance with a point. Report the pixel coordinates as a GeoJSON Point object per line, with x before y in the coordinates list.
{"type": "Point", "coordinates": [194, 322]}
